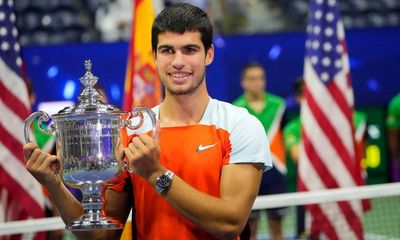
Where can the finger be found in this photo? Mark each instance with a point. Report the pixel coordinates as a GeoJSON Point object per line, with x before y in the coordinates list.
{"type": "Point", "coordinates": [129, 153]}
{"type": "Point", "coordinates": [118, 142]}
{"type": "Point", "coordinates": [40, 158]}
{"type": "Point", "coordinates": [147, 141]}
{"type": "Point", "coordinates": [28, 149]}
{"type": "Point", "coordinates": [50, 159]}
{"type": "Point", "coordinates": [130, 156]}
{"type": "Point", "coordinates": [138, 143]}
{"type": "Point", "coordinates": [120, 155]}
{"type": "Point", "coordinates": [33, 157]}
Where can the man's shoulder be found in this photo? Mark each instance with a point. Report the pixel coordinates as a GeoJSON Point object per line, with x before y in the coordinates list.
{"type": "Point", "coordinates": [275, 99]}
{"type": "Point", "coordinates": [359, 117]}
{"type": "Point", "coordinates": [395, 101]}
{"type": "Point", "coordinates": [229, 109]}
{"type": "Point", "coordinates": [240, 101]}
{"type": "Point", "coordinates": [226, 115]}
{"type": "Point", "coordinates": [292, 125]}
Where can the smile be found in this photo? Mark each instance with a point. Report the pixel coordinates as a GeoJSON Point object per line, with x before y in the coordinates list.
{"type": "Point", "coordinates": [179, 77]}
{"type": "Point", "coordinates": [180, 74]}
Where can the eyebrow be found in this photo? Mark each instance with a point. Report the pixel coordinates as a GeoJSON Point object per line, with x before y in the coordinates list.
{"type": "Point", "coordinates": [184, 46]}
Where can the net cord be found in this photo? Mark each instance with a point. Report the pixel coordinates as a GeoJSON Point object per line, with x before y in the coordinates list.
{"type": "Point", "coordinates": [262, 202]}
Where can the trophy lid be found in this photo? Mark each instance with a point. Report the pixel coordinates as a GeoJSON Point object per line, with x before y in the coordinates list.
{"type": "Point", "coordinates": [89, 98]}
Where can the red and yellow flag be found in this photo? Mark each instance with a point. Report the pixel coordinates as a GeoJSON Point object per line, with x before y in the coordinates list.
{"type": "Point", "coordinates": [142, 86]}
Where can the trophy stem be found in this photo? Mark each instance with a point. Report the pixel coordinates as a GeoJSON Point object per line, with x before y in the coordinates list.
{"type": "Point", "coordinates": [93, 217]}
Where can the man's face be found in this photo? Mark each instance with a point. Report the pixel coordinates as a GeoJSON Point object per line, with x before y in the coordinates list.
{"type": "Point", "coordinates": [181, 61]}
{"type": "Point", "coordinates": [253, 81]}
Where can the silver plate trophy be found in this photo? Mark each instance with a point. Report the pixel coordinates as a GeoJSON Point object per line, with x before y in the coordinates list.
{"type": "Point", "coordinates": [86, 139]}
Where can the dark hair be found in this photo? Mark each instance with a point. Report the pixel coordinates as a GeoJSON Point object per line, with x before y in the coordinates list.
{"type": "Point", "coordinates": [251, 65]}
{"type": "Point", "coordinates": [179, 18]}
{"type": "Point", "coordinates": [298, 86]}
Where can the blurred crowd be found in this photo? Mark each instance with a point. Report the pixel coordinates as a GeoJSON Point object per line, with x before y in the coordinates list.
{"type": "Point", "coordinates": [70, 21]}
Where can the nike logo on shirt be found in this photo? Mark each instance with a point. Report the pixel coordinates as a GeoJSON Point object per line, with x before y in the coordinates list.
{"type": "Point", "coordinates": [202, 148]}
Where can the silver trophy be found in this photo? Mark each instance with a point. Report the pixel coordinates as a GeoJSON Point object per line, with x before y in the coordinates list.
{"type": "Point", "coordinates": [87, 134]}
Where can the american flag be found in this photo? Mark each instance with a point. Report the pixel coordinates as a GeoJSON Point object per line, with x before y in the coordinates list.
{"type": "Point", "coordinates": [21, 195]}
{"type": "Point", "coordinates": [328, 157]}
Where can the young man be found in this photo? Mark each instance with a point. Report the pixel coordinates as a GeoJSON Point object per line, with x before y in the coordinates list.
{"type": "Point", "coordinates": [210, 154]}
{"type": "Point", "coordinates": [292, 139]}
{"type": "Point", "coordinates": [393, 125]}
{"type": "Point", "coordinates": [269, 109]}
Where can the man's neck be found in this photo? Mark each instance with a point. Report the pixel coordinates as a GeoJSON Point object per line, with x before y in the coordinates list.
{"type": "Point", "coordinates": [254, 97]}
{"type": "Point", "coordinates": [183, 110]}
{"type": "Point", "coordinates": [256, 102]}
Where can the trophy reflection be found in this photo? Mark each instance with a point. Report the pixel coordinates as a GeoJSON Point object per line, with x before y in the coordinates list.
{"type": "Point", "coordinates": [87, 135]}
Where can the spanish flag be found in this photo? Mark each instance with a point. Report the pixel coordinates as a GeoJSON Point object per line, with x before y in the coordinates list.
{"type": "Point", "coordinates": [142, 86]}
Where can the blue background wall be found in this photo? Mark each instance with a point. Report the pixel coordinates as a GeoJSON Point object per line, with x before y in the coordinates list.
{"type": "Point", "coordinates": [374, 57]}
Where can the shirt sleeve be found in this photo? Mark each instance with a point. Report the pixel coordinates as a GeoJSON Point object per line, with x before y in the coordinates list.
{"type": "Point", "coordinates": [249, 143]}
{"type": "Point", "coordinates": [290, 137]}
{"type": "Point", "coordinates": [393, 118]}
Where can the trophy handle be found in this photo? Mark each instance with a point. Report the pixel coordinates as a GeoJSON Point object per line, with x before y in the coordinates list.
{"type": "Point", "coordinates": [138, 112]}
{"type": "Point", "coordinates": [41, 116]}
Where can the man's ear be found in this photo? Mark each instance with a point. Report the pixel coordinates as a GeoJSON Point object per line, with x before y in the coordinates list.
{"type": "Point", "coordinates": [210, 55]}
{"type": "Point", "coordinates": [154, 53]}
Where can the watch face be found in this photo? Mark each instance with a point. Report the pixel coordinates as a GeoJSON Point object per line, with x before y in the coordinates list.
{"type": "Point", "coordinates": [163, 181]}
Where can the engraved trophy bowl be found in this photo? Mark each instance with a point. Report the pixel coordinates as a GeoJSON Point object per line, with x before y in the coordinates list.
{"type": "Point", "coordinates": [87, 135]}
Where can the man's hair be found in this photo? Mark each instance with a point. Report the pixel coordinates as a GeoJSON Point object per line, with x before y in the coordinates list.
{"type": "Point", "coordinates": [249, 66]}
{"type": "Point", "coordinates": [298, 86]}
{"type": "Point", "coordinates": [179, 18]}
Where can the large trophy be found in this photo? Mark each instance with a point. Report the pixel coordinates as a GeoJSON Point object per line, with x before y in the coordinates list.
{"type": "Point", "coordinates": [87, 134]}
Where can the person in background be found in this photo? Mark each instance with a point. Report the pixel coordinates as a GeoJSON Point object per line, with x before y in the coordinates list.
{"type": "Point", "coordinates": [292, 139]}
{"type": "Point", "coordinates": [114, 20]}
{"type": "Point", "coordinates": [47, 143]}
{"type": "Point", "coordinates": [269, 109]}
{"type": "Point", "coordinates": [199, 178]}
{"type": "Point", "coordinates": [393, 125]}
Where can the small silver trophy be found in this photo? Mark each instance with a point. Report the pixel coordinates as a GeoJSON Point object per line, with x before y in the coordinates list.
{"type": "Point", "coordinates": [86, 139]}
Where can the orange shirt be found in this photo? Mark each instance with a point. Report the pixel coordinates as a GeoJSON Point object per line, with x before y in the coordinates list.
{"type": "Point", "coordinates": [225, 135]}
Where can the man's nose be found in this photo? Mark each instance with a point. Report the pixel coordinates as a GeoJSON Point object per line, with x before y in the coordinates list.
{"type": "Point", "coordinates": [178, 61]}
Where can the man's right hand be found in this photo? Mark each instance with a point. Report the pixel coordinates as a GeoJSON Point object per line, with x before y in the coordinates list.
{"type": "Point", "coordinates": [40, 164]}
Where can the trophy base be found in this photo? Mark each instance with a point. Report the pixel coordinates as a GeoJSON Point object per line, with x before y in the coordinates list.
{"type": "Point", "coordinates": [88, 224]}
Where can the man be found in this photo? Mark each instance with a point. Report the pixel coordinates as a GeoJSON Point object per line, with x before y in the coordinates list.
{"type": "Point", "coordinates": [393, 124]}
{"type": "Point", "coordinates": [269, 110]}
{"type": "Point", "coordinates": [292, 139]}
{"type": "Point", "coordinates": [199, 179]}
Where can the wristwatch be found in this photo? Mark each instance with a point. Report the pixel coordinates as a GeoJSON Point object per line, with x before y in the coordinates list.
{"type": "Point", "coordinates": [163, 181]}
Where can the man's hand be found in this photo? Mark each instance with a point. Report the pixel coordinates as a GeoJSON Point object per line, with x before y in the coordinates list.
{"type": "Point", "coordinates": [143, 154]}
{"type": "Point", "coordinates": [41, 164]}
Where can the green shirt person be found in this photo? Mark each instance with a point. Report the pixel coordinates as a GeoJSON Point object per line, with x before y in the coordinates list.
{"type": "Point", "coordinates": [393, 125]}
{"type": "Point", "coordinates": [292, 138]}
{"type": "Point", "coordinates": [269, 109]}
{"type": "Point", "coordinates": [270, 115]}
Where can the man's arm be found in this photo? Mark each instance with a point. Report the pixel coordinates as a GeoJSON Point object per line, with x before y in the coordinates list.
{"type": "Point", "coordinates": [39, 164]}
{"type": "Point", "coordinates": [225, 216]}
{"type": "Point", "coordinates": [394, 144]}
{"type": "Point", "coordinates": [295, 153]}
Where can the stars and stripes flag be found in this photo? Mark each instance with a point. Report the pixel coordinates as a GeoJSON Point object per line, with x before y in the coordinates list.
{"type": "Point", "coordinates": [328, 157]}
{"type": "Point", "coordinates": [142, 86]}
{"type": "Point", "coordinates": [21, 195]}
